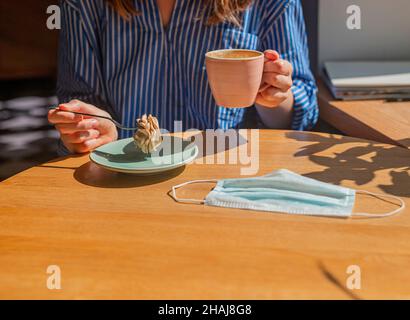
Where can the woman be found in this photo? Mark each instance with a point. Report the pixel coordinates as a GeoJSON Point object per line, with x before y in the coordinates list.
{"type": "Point", "coordinates": [125, 58]}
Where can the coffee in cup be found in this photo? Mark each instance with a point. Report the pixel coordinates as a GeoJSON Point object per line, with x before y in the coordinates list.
{"type": "Point", "coordinates": [234, 76]}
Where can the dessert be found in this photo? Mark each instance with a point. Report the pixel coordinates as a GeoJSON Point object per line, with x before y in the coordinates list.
{"type": "Point", "coordinates": [148, 136]}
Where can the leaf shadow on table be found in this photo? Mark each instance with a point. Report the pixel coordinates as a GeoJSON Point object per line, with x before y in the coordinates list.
{"type": "Point", "coordinates": [359, 163]}
{"type": "Point", "coordinates": [93, 175]}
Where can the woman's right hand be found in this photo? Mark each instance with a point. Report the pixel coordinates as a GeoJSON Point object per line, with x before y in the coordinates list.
{"type": "Point", "coordinates": [82, 134]}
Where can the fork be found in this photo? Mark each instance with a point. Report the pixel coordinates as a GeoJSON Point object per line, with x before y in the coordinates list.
{"type": "Point", "coordinates": [116, 123]}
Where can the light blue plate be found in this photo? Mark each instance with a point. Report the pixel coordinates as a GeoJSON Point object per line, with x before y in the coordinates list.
{"type": "Point", "coordinates": [124, 156]}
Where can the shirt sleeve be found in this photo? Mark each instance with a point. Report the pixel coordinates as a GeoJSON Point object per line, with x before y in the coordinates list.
{"type": "Point", "coordinates": [285, 32]}
{"type": "Point", "coordinates": [79, 72]}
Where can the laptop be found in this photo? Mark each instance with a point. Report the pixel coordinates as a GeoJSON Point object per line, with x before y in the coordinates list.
{"type": "Point", "coordinates": [369, 80]}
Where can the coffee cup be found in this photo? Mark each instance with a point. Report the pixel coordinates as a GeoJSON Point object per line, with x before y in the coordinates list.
{"type": "Point", "coordinates": [234, 76]}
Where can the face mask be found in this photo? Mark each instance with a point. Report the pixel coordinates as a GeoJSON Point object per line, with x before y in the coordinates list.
{"type": "Point", "coordinates": [285, 191]}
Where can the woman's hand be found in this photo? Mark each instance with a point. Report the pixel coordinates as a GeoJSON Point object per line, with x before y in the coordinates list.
{"type": "Point", "coordinates": [82, 134]}
{"type": "Point", "coordinates": [276, 81]}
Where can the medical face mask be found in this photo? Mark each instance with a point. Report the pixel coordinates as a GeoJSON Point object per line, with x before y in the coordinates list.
{"type": "Point", "coordinates": [287, 192]}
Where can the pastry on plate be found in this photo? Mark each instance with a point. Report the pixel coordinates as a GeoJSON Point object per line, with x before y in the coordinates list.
{"type": "Point", "coordinates": [148, 135]}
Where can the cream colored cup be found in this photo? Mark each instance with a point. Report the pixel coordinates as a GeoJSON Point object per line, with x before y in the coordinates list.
{"type": "Point", "coordinates": [234, 76]}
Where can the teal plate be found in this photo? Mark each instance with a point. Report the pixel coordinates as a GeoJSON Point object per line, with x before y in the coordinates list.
{"type": "Point", "coordinates": [124, 156]}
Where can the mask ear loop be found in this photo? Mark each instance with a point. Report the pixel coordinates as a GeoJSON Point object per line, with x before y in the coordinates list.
{"type": "Point", "coordinates": [381, 215]}
{"type": "Point", "coordinates": [194, 201]}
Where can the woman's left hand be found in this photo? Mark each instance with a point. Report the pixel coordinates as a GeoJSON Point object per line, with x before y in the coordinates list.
{"type": "Point", "coordinates": [276, 81]}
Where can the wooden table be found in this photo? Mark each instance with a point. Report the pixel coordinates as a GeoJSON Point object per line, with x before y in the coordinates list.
{"type": "Point", "coordinates": [377, 120]}
{"type": "Point", "coordinates": [120, 236]}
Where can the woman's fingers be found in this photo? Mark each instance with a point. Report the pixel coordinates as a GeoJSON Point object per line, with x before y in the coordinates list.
{"type": "Point", "coordinates": [271, 55]}
{"type": "Point", "coordinates": [263, 86]}
{"type": "Point", "coordinates": [90, 144]}
{"type": "Point", "coordinates": [83, 125]}
{"type": "Point", "coordinates": [277, 80]}
{"type": "Point", "coordinates": [79, 133]}
{"type": "Point", "coordinates": [271, 96]}
{"type": "Point", "coordinates": [68, 123]}
{"type": "Point", "coordinates": [279, 66]}
{"type": "Point", "coordinates": [56, 116]}
{"type": "Point", "coordinates": [95, 143]}
{"type": "Point", "coordinates": [80, 136]}
{"type": "Point", "coordinates": [103, 125]}
{"type": "Point", "coordinates": [266, 103]}
{"type": "Point", "coordinates": [79, 106]}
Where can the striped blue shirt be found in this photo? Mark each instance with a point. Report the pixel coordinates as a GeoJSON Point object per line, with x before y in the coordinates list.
{"type": "Point", "coordinates": [134, 67]}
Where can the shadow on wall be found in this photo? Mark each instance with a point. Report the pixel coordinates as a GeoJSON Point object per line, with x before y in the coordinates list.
{"type": "Point", "coordinates": [362, 162]}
